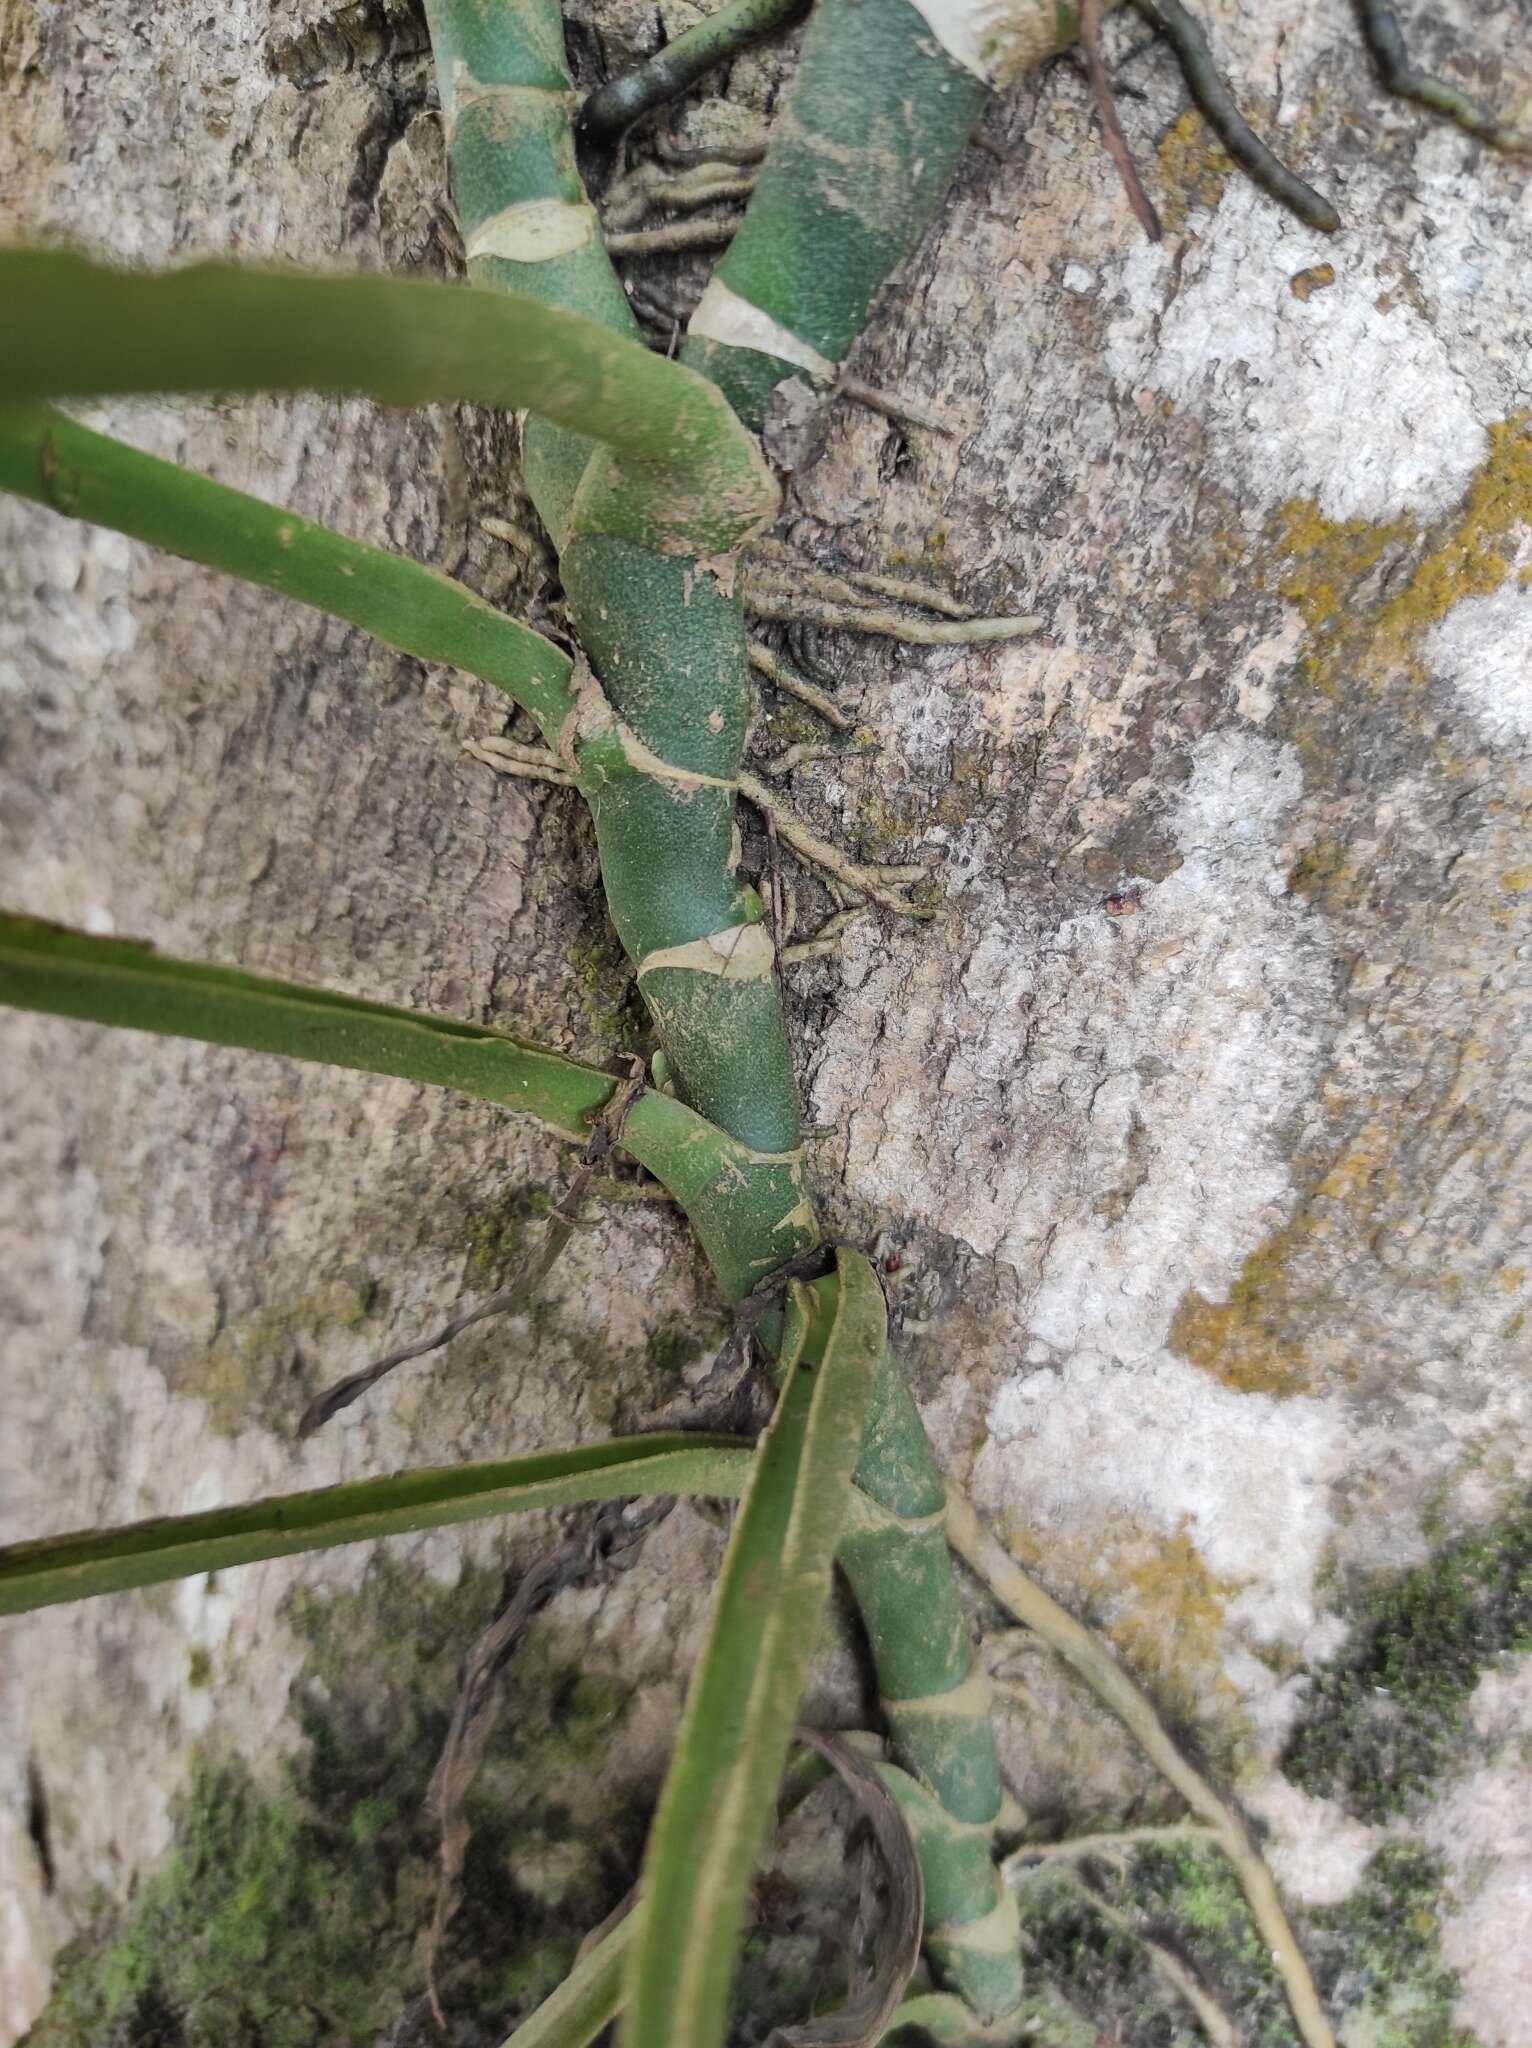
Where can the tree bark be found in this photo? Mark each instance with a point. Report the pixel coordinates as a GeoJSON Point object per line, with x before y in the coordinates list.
{"type": "Point", "coordinates": [1195, 1133]}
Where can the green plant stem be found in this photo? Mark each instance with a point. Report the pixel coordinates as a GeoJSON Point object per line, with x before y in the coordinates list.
{"type": "Point", "coordinates": [958, 1865]}
{"type": "Point", "coordinates": [48, 457]}
{"type": "Point", "coordinates": [87, 1562]}
{"type": "Point", "coordinates": [689, 475]}
{"type": "Point", "coordinates": [528, 226]}
{"type": "Point", "coordinates": [715, 40]}
{"type": "Point", "coordinates": [878, 114]}
{"type": "Point", "coordinates": [661, 731]}
{"type": "Point", "coordinates": [935, 1694]}
{"type": "Point", "coordinates": [664, 634]}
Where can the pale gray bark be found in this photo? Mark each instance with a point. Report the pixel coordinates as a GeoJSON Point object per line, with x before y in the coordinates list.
{"type": "Point", "coordinates": [1200, 1122]}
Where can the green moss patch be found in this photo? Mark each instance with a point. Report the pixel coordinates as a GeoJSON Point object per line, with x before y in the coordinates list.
{"type": "Point", "coordinates": [291, 1909]}
{"type": "Point", "coordinates": [499, 1230]}
{"type": "Point", "coordinates": [1376, 1957]}
{"type": "Point", "coordinates": [1387, 1717]}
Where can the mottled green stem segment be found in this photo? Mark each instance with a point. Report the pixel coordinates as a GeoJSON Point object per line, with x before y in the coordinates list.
{"type": "Point", "coordinates": [659, 746]}
{"type": "Point", "coordinates": [660, 733]}
{"type": "Point", "coordinates": [46, 456]}
{"type": "Point", "coordinates": [877, 117]}
{"type": "Point", "coordinates": [934, 1694]}
{"type": "Point", "coordinates": [973, 1936]}
{"type": "Point", "coordinates": [715, 40]}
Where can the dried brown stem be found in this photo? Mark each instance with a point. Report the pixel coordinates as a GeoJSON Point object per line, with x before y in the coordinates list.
{"type": "Point", "coordinates": [711, 233]}
{"type": "Point", "coordinates": [557, 1231]}
{"type": "Point", "coordinates": [769, 598]}
{"type": "Point", "coordinates": [1106, 114]}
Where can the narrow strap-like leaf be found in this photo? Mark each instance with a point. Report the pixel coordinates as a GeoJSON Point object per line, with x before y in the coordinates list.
{"type": "Point", "coordinates": [719, 1795]}
{"type": "Point", "coordinates": [575, 2013]}
{"type": "Point", "coordinates": [734, 1199]}
{"type": "Point", "coordinates": [125, 982]}
{"type": "Point", "coordinates": [71, 328]}
{"type": "Point", "coordinates": [49, 457]}
{"type": "Point", "coordinates": [91, 1561]}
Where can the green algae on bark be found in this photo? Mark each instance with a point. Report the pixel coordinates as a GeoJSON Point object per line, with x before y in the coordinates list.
{"type": "Point", "coordinates": [1386, 1718]}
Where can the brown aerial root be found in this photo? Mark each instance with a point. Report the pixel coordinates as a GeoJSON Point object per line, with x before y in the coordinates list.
{"type": "Point", "coordinates": [1090, 1660]}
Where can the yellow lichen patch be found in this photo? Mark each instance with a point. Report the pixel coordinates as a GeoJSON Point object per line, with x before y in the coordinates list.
{"type": "Point", "coordinates": [1194, 168]}
{"type": "Point", "coordinates": [1369, 638]}
{"type": "Point", "coordinates": [1320, 873]}
{"type": "Point", "coordinates": [1170, 1624]}
{"type": "Point", "coordinates": [1327, 558]}
{"type": "Point", "coordinates": [1477, 553]}
{"type": "Point", "coordinates": [1255, 1341]}
{"type": "Point", "coordinates": [1151, 1594]}
{"type": "Point", "coordinates": [1516, 881]}
{"type": "Point", "coordinates": [1246, 1341]}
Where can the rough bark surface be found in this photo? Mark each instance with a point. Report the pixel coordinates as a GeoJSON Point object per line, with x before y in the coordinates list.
{"type": "Point", "coordinates": [1199, 1124]}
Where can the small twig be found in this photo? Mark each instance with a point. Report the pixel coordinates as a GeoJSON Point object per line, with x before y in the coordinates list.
{"type": "Point", "coordinates": [864, 881]}
{"type": "Point", "coordinates": [1380, 31]}
{"type": "Point", "coordinates": [774, 866]}
{"type": "Point", "coordinates": [769, 598]}
{"type": "Point", "coordinates": [677, 234]}
{"type": "Point", "coordinates": [826, 941]}
{"type": "Point", "coordinates": [617, 1528]}
{"type": "Point", "coordinates": [1116, 1847]}
{"type": "Point", "coordinates": [1165, 1963]}
{"type": "Point", "coordinates": [1091, 1661]}
{"type": "Point", "coordinates": [908, 591]}
{"type": "Point", "coordinates": [557, 1231]}
{"type": "Point", "coordinates": [893, 406]}
{"type": "Point", "coordinates": [1106, 115]}
{"type": "Point", "coordinates": [776, 560]}
{"type": "Point", "coordinates": [685, 154]}
{"type": "Point", "coordinates": [517, 537]}
{"type": "Point", "coordinates": [786, 678]}
{"type": "Point", "coordinates": [1184, 34]}
{"type": "Point", "coordinates": [499, 748]}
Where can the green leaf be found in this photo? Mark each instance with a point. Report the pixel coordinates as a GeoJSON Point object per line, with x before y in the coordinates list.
{"type": "Point", "coordinates": [721, 1789]}
{"type": "Point", "coordinates": [90, 1561]}
{"type": "Point", "coordinates": [46, 456]}
{"type": "Point", "coordinates": [733, 1199]}
{"type": "Point", "coordinates": [70, 328]}
{"type": "Point", "coordinates": [125, 982]}
{"type": "Point", "coordinates": [574, 2014]}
